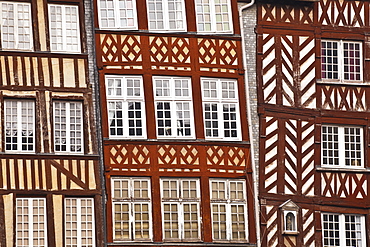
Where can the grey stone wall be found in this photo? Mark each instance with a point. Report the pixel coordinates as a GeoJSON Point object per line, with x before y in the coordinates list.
{"type": "Point", "coordinates": [250, 38]}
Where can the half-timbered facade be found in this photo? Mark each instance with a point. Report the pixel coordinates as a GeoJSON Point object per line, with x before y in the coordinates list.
{"type": "Point", "coordinates": [50, 189]}
{"type": "Point", "coordinates": [175, 135]}
{"type": "Point", "coordinates": [313, 94]}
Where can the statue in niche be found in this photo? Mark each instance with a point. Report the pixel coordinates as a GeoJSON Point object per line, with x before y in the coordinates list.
{"type": "Point", "coordinates": [290, 222]}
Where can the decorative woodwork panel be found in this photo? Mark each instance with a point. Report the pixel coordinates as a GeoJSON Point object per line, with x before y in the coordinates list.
{"type": "Point", "coordinates": [271, 155]}
{"type": "Point", "coordinates": [121, 49]}
{"type": "Point", "coordinates": [287, 14]}
{"type": "Point", "coordinates": [269, 68]}
{"type": "Point", "coordinates": [294, 141]}
{"type": "Point", "coordinates": [288, 70]}
{"type": "Point", "coordinates": [178, 158]}
{"type": "Point", "coordinates": [272, 226]}
{"type": "Point", "coordinates": [226, 159]}
{"type": "Point", "coordinates": [169, 51]}
{"type": "Point", "coordinates": [344, 185]}
{"type": "Point", "coordinates": [32, 70]}
{"type": "Point", "coordinates": [343, 13]}
{"type": "Point", "coordinates": [290, 240]}
{"type": "Point", "coordinates": [344, 98]}
{"type": "Point", "coordinates": [178, 155]}
{"type": "Point", "coordinates": [122, 155]}
{"type": "Point", "coordinates": [308, 224]}
{"type": "Point", "coordinates": [48, 174]}
{"type": "Point", "coordinates": [218, 55]}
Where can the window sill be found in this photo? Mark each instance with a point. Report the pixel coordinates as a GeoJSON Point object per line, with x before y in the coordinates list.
{"type": "Point", "coordinates": [343, 169]}
{"type": "Point", "coordinates": [200, 243]}
{"type": "Point", "coordinates": [341, 83]}
{"type": "Point", "coordinates": [290, 233]}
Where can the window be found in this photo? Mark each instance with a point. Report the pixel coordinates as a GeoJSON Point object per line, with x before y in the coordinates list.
{"type": "Point", "coordinates": [64, 28]}
{"type": "Point", "coordinates": [343, 230]}
{"type": "Point", "coordinates": [117, 14]}
{"type": "Point", "coordinates": [166, 15]}
{"type": "Point", "coordinates": [221, 109]}
{"type": "Point", "coordinates": [341, 60]}
{"type": "Point", "coordinates": [79, 222]}
{"type": "Point", "coordinates": [31, 222]}
{"type": "Point", "coordinates": [19, 125]}
{"type": "Point", "coordinates": [180, 209]}
{"type": "Point", "coordinates": [126, 108]}
{"type": "Point", "coordinates": [131, 209]}
{"type": "Point", "coordinates": [174, 107]}
{"type": "Point", "coordinates": [68, 132]}
{"type": "Point", "coordinates": [342, 146]}
{"type": "Point", "coordinates": [228, 208]}
{"type": "Point", "coordinates": [16, 27]}
{"type": "Point", "coordinates": [213, 16]}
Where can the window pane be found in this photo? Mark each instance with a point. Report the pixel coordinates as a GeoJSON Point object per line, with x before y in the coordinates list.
{"type": "Point", "coordinates": [19, 125]}
{"type": "Point", "coordinates": [16, 26]}
{"type": "Point", "coordinates": [117, 14]}
{"type": "Point", "coordinates": [131, 209]}
{"type": "Point", "coordinates": [174, 109]}
{"type": "Point", "coordinates": [126, 107]}
{"type": "Point", "coordinates": [79, 222]}
{"type": "Point", "coordinates": [213, 16]}
{"type": "Point", "coordinates": [31, 222]}
{"type": "Point", "coordinates": [330, 145]}
{"type": "Point", "coordinates": [64, 28]}
{"type": "Point", "coordinates": [68, 131]}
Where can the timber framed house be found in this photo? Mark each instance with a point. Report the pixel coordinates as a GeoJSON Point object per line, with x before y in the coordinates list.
{"type": "Point", "coordinates": [313, 93]}
{"type": "Point", "coordinates": [175, 135]}
{"type": "Point", "coordinates": [50, 180]}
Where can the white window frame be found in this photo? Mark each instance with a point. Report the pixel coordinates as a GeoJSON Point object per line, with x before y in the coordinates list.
{"type": "Point", "coordinates": [219, 100]}
{"type": "Point", "coordinates": [341, 157]}
{"type": "Point", "coordinates": [118, 94]}
{"type": "Point", "coordinates": [342, 229]}
{"type": "Point", "coordinates": [212, 16]}
{"type": "Point", "coordinates": [180, 200]}
{"type": "Point", "coordinates": [116, 10]}
{"type": "Point", "coordinates": [64, 42]}
{"type": "Point", "coordinates": [78, 128]}
{"type": "Point", "coordinates": [19, 123]}
{"type": "Point", "coordinates": [341, 63]}
{"type": "Point", "coordinates": [131, 200]}
{"type": "Point", "coordinates": [26, 232]}
{"type": "Point", "coordinates": [228, 202]}
{"type": "Point", "coordinates": [177, 115]}
{"type": "Point", "coordinates": [165, 14]}
{"type": "Point", "coordinates": [17, 11]}
{"type": "Point", "coordinates": [77, 214]}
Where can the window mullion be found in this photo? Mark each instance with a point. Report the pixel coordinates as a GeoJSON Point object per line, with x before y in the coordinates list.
{"type": "Point", "coordinates": [125, 119]}
{"type": "Point", "coordinates": [228, 220]}
{"type": "Point", "coordinates": [341, 60]}
{"type": "Point", "coordinates": [116, 12]}
{"type": "Point", "coordinates": [19, 125]}
{"type": "Point", "coordinates": [173, 106]}
{"type": "Point", "coordinates": [30, 218]}
{"type": "Point", "coordinates": [16, 23]}
{"type": "Point", "coordinates": [220, 120]}
{"type": "Point", "coordinates": [342, 232]}
{"type": "Point", "coordinates": [181, 220]}
{"type": "Point", "coordinates": [68, 127]}
{"type": "Point", "coordinates": [212, 13]}
{"type": "Point", "coordinates": [64, 31]}
{"type": "Point", "coordinates": [341, 147]}
{"type": "Point", "coordinates": [166, 22]}
{"type": "Point", "coordinates": [78, 219]}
